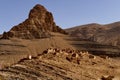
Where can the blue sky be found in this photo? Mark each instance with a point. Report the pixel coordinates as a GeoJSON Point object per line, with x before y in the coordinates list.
{"type": "Point", "coordinates": [67, 13]}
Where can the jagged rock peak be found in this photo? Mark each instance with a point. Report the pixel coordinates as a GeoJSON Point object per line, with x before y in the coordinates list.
{"type": "Point", "coordinates": [38, 25]}
{"type": "Point", "coordinates": [37, 9]}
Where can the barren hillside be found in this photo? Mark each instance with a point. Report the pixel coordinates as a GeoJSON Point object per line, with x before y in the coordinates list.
{"type": "Point", "coordinates": [63, 64]}
{"type": "Point", "coordinates": [96, 38]}
{"type": "Point", "coordinates": [15, 49]}
{"type": "Point", "coordinates": [104, 34]}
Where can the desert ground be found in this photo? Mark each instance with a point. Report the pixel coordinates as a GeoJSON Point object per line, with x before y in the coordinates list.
{"type": "Point", "coordinates": [63, 64]}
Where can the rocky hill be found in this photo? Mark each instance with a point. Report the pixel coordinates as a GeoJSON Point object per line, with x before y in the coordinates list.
{"type": "Point", "coordinates": [104, 34]}
{"type": "Point", "coordinates": [38, 25]}
{"type": "Point", "coordinates": [63, 64]}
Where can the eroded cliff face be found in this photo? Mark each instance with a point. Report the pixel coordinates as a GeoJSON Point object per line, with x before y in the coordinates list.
{"type": "Point", "coordinates": [38, 25]}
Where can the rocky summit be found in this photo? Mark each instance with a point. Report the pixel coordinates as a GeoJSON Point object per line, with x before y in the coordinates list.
{"type": "Point", "coordinates": [39, 24]}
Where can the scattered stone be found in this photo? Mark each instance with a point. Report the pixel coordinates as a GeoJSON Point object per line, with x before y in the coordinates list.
{"type": "Point", "coordinates": [107, 77]}
{"type": "Point", "coordinates": [29, 57]}
{"type": "Point", "coordinates": [92, 56]}
{"type": "Point", "coordinates": [104, 56]}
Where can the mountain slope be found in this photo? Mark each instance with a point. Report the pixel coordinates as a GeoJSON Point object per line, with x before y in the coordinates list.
{"type": "Point", "coordinates": [110, 37]}
{"type": "Point", "coordinates": [85, 31]}
{"type": "Point", "coordinates": [104, 34]}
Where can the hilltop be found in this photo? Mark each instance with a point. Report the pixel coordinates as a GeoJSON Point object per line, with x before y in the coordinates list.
{"type": "Point", "coordinates": [39, 24]}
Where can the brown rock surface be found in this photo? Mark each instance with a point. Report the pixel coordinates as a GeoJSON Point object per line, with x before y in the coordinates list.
{"type": "Point", "coordinates": [38, 25]}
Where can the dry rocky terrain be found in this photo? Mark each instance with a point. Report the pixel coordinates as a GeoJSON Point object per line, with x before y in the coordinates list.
{"type": "Point", "coordinates": [38, 49]}
{"type": "Point", "coordinates": [63, 64]}
{"type": "Point", "coordinates": [96, 38]}
{"type": "Point", "coordinates": [15, 49]}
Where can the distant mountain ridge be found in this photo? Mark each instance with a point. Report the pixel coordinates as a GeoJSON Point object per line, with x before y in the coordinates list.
{"type": "Point", "coordinates": [38, 25]}
{"type": "Point", "coordinates": [104, 34]}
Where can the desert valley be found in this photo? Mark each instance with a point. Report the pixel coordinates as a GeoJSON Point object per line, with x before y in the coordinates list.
{"type": "Point", "coordinates": [39, 49]}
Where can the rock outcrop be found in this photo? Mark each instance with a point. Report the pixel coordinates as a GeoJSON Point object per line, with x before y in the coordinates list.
{"type": "Point", "coordinates": [62, 64]}
{"type": "Point", "coordinates": [38, 25]}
